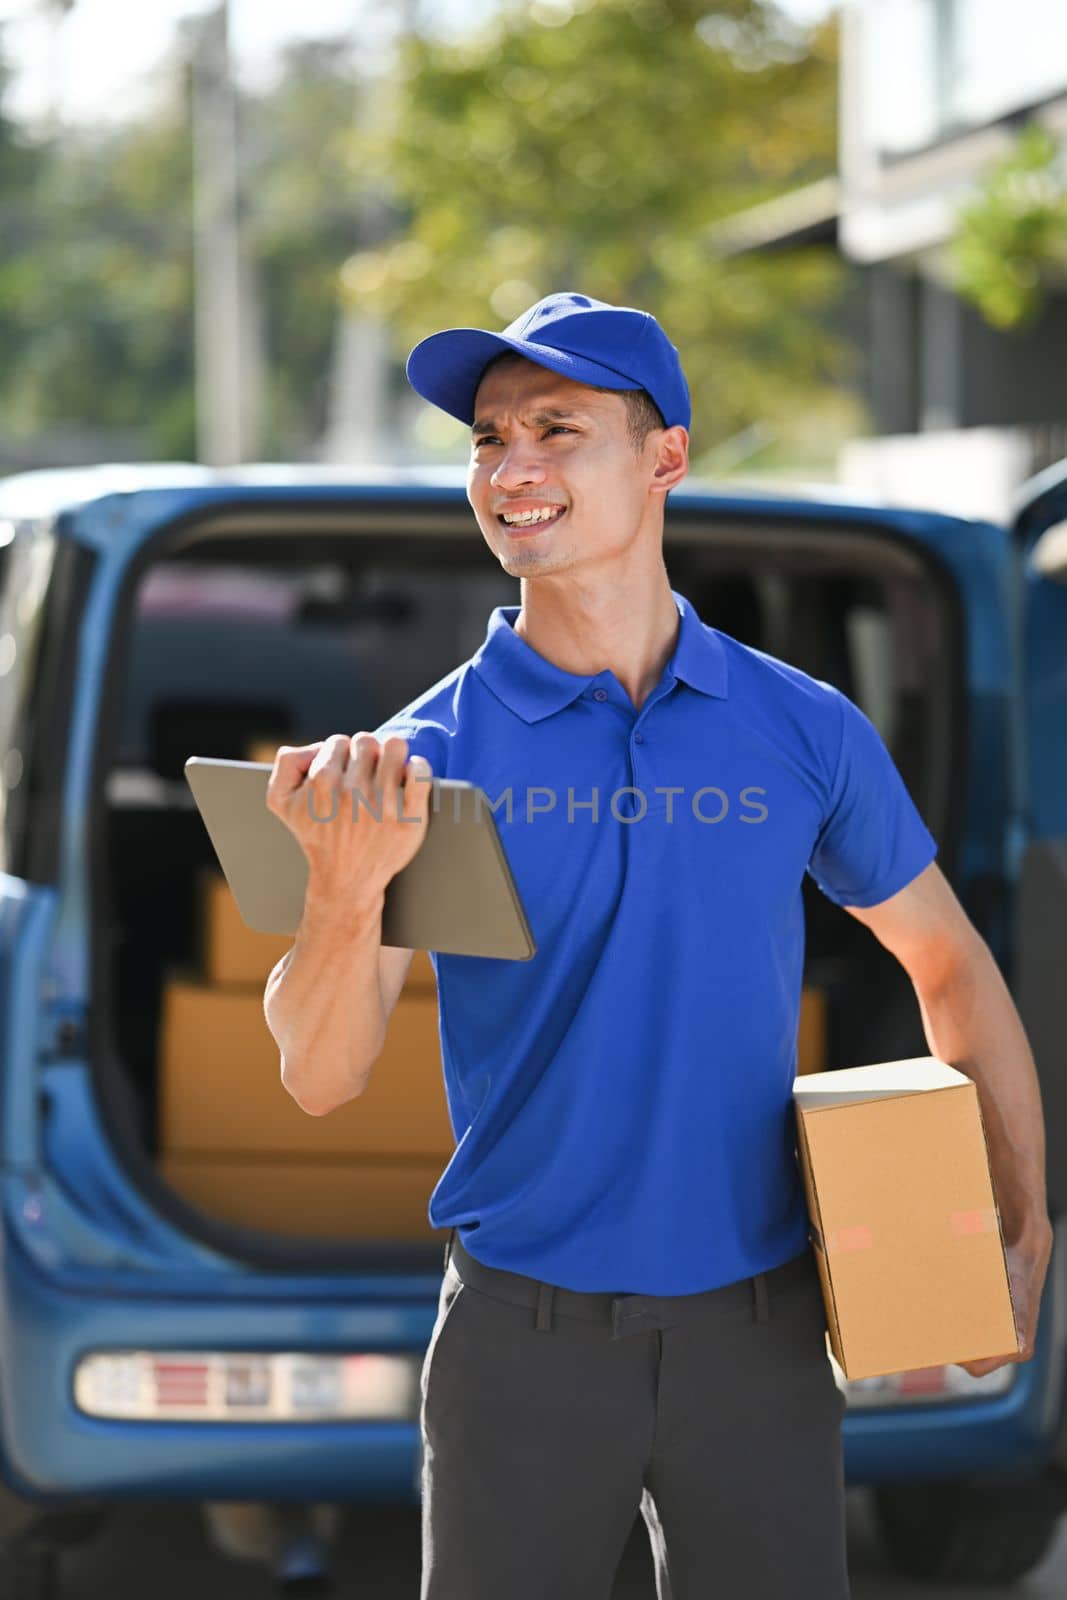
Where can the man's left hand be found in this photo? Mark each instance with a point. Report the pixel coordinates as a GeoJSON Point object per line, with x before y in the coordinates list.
{"type": "Point", "coordinates": [1028, 1260]}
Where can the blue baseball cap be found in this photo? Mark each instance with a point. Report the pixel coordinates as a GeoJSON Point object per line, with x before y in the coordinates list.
{"type": "Point", "coordinates": [609, 347]}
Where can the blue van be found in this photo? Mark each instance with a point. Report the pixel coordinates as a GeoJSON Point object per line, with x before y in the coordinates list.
{"type": "Point", "coordinates": [198, 1302]}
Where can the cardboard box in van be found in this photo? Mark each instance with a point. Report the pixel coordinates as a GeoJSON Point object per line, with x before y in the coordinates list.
{"type": "Point", "coordinates": [233, 953]}
{"type": "Point", "coordinates": [263, 749]}
{"type": "Point", "coordinates": [811, 1030]}
{"type": "Point", "coordinates": [904, 1217]}
{"type": "Point", "coordinates": [221, 1092]}
{"type": "Point", "coordinates": [328, 1199]}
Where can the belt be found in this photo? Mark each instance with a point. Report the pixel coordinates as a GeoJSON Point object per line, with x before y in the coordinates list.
{"type": "Point", "coordinates": [623, 1313]}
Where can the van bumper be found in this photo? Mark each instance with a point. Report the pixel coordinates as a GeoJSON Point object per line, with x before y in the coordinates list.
{"type": "Point", "coordinates": [51, 1451]}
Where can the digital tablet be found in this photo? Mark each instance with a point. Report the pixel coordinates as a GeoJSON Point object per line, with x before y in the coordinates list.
{"type": "Point", "coordinates": [456, 895]}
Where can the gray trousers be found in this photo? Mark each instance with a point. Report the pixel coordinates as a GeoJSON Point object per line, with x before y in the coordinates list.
{"type": "Point", "coordinates": [549, 1418]}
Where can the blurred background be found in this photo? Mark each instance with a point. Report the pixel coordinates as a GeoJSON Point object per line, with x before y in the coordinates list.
{"type": "Point", "coordinates": [222, 227]}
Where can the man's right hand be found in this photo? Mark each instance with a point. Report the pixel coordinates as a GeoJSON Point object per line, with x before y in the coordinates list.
{"type": "Point", "coordinates": [353, 845]}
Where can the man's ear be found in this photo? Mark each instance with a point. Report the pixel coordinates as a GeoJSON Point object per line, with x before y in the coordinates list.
{"type": "Point", "coordinates": [672, 459]}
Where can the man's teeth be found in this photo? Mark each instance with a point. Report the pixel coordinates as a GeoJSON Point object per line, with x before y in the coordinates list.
{"type": "Point", "coordinates": [518, 518]}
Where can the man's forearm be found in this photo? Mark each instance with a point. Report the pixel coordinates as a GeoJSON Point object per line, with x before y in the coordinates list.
{"type": "Point", "coordinates": [323, 1004]}
{"type": "Point", "coordinates": [971, 1022]}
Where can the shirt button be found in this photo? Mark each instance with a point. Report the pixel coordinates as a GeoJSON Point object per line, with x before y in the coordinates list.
{"type": "Point", "coordinates": [639, 738]}
{"type": "Point", "coordinates": [600, 694]}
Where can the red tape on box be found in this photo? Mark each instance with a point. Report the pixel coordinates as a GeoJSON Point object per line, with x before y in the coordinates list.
{"type": "Point", "coordinates": [845, 1240]}
{"type": "Point", "coordinates": [983, 1220]}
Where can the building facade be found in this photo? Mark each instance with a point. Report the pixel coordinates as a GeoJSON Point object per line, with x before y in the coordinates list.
{"type": "Point", "coordinates": [933, 93]}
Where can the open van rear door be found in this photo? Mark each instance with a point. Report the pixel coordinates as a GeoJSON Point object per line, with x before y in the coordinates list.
{"type": "Point", "coordinates": [1040, 533]}
{"type": "Point", "coordinates": [43, 583]}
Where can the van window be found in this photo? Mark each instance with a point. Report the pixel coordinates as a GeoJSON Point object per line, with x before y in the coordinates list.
{"type": "Point", "coordinates": [221, 655]}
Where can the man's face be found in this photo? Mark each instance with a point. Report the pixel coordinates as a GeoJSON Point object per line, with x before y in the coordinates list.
{"type": "Point", "coordinates": [557, 456]}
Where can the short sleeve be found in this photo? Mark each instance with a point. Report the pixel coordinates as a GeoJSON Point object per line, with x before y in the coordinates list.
{"type": "Point", "coordinates": [424, 739]}
{"type": "Point", "coordinates": [872, 841]}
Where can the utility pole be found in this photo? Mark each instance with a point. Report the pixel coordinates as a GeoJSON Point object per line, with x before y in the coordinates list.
{"type": "Point", "coordinates": [56, 13]}
{"type": "Point", "coordinates": [359, 429]}
{"type": "Point", "coordinates": [226, 333]}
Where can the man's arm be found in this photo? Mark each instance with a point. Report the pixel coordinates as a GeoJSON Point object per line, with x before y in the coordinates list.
{"type": "Point", "coordinates": [971, 1022]}
{"type": "Point", "coordinates": [308, 1014]}
{"type": "Point", "coordinates": [324, 1004]}
{"type": "Point", "coordinates": [329, 999]}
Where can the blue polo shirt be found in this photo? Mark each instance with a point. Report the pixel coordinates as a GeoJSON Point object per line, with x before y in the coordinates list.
{"type": "Point", "coordinates": [622, 1103]}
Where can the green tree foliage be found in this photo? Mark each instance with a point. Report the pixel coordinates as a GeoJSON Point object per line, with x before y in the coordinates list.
{"type": "Point", "coordinates": [574, 144]}
{"type": "Point", "coordinates": [96, 276]}
{"type": "Point", "coordinates": [1012, 239]}
{"type": "Point", "coordinates": [110, 319]}
{"type": "Point", "coordinates": [96, 284]}
{"type": "Point", "coordinates": [589, 144]}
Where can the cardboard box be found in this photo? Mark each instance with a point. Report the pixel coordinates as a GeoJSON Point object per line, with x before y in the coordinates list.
{"type": "Point", "coordinates": [811, 1030]}
{"type": "Point", "coordinates": [313, 1199]}
{"type": "Point", "coordinates": [904, 1217]}
{"type": "Point", "coordinates": [221, 1092]}
{"type": "Point", "coordinates": [263, 749]}
{"type": "Point", "coordinates": [230, 951]}
{"type": "Point", "coordinates": [421, 978]}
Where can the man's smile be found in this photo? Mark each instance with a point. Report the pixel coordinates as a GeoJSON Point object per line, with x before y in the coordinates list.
{"type": "Point", "coordinates": [527, 519]}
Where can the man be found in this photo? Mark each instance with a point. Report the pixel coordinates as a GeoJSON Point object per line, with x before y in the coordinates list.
{"type": "Point", "coordinates": [630, 1314]}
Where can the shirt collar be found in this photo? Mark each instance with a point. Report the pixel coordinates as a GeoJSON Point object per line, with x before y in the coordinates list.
{"type": "Point", "coordinates": [534, 687]}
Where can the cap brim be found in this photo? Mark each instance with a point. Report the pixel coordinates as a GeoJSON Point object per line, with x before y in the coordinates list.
{"type": "Point", "coordinates": [447, 367]}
